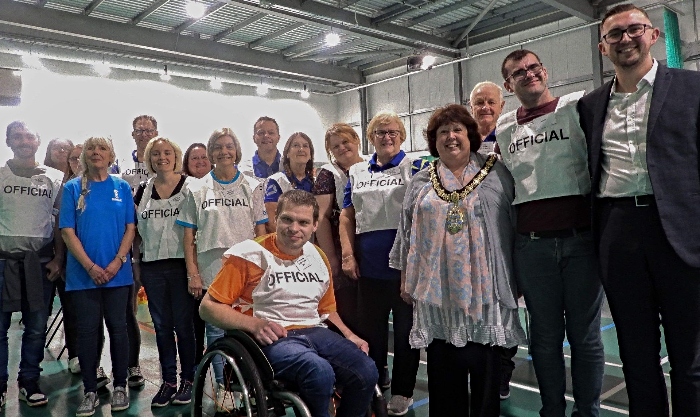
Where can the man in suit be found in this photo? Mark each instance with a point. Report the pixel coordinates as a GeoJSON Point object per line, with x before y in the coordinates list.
{"type": "Point", "coordinates": [643, 134]}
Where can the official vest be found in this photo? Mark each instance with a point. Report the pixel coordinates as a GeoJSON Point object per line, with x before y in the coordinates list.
{"type": "Point", "coordinates": [27, 209]}
{"type": "Point", "coordinates": [341, 180]}
{"type": "Point", "coordinates": [136, 175]}
{"type": "Point", "coordinates": [289, 291]}
{"type": "Point", "coordinates": [161, 238]}
{"type": "Point", "coordinates": [547, 156]}
{"type": "Point", "coordinates": [378, 196]}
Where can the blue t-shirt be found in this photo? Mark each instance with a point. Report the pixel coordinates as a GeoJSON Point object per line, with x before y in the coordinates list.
{"type": "Point", "coordinates": [274, 190]}
{"type": "Point", "coordinates": [373, 247]}
{"type": "Point", "coordinates": [109, 207]}
{"type": "Point", "coordinates": [262, 170]}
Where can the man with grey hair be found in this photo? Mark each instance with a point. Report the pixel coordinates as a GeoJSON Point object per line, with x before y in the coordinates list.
{"type": "Point", "coordinates": [486, 104]}
{"type": "Point", "coordinates": [29, 256]}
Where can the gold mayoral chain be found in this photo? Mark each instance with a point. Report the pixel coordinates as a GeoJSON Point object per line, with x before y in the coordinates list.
{"type": "Point", "coordinates": [455, 215]}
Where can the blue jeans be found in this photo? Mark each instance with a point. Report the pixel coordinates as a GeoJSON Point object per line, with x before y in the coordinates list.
{"type": "Point", "coordinates": [171, 309]}
{"type": "Point", "coordinates": [559, 279]}
{"type": "Point", "coordinates": [213, 333]}
{"type": "Point", "coordinates": [91, 306]}
{"type": "Point", "coordinates": [34, 335]}
{"type": "Point", "coordinates": [317, 358]}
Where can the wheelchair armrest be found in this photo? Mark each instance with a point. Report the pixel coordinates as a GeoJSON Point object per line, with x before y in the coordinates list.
{"type": "Point", "coordinates": [255, 351]}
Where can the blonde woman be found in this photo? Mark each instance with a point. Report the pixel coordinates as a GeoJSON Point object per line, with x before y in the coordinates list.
{"type": "Point", "coordinates": [97, 225]}
{"type": "Point", "coordinates": [160, 262]}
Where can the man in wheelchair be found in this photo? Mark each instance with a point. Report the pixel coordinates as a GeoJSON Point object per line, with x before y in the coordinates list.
{"type": "Point", "coordinates": [281, 291]}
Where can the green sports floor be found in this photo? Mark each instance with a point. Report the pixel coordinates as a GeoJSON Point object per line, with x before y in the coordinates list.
{"type": "Point", "coordinates": [65, 390]}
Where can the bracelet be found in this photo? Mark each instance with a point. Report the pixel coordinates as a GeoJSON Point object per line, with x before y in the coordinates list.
{"type": "Point", "coordinates": [345, 258]}
{"type": "Point", "coordinates": [93, 265]}
{"type": "Point", "coordinates": [189, 277]}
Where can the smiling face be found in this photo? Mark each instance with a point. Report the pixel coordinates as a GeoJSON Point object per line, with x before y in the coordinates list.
{"type": "Point", "coordinates": [223, 151]}
{"type": "Point", "coordinates": [486, 103]}
{"type": "Point", "coordinates": [98, 156]}
{"type": "Point", "coordinates": [299, 150]}
{"type": "Point", "coordinates": [343, 150]}
{"type": "Point", "coordinates": [453, 144]}
{"type": "Point", "coordinates": [198, 162]}
{"type": "Point", "coordinates": [530, 87]}
{"type": "Point", "coordinates": [23, 142]}
{"type": "Point", "coordinates": [162, 157]}
{"type": "Point", "coordinates": [387, 140]}
{"type": "Point", "coordinates": [144, 131]}
{"type": "Point", "coordinates": [629, 53]}
{"type": "Point", "coordinates": [59, 152]}
{"type": "Point", "coordinates": [266, 136]}
{"type": "Point", "coordinates": [295, 225]}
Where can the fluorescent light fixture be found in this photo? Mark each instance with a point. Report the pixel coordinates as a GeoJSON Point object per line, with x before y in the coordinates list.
{"type": "Point", "coordinates": [332, 39]}
{"type": "Point", "coordinates": [428, 62]}
{"type": "Point", "coordinates": [263, 89]}
{"type": "Point", "coordinates": [17, 73]}
{"type": "Point", "coordinates": [32, 61]}
{"type": "Point", "coordinates": [304, 93]}
{"type": "Point", "coordinates": [102, 69]}
{"type": "Point", "coordinates": [195, 9]}
{"type": "Point", "coordinates": [215, 84]}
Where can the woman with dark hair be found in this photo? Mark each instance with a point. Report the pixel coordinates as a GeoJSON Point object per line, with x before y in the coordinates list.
{"type": "Point", "coordinates": [297, 173]}
{"type": "Point", "coordinates": [343, 149]}
{"type": "Point", "coordinates": [57, 152]}
{"type": "Point", "coordinates": [196, 161]}
{"type": "Point", "coordinates": [454, 247]}
{"type": "Point", "coordinates": [97, 221]}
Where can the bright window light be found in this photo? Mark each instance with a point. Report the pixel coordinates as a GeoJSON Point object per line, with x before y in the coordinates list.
{"type": "Point", "coordinates": [428, 62]}
{"type": "Point", "coordinates": [332, 39]}
{"type": "Point", "coordinates": [195, 9]}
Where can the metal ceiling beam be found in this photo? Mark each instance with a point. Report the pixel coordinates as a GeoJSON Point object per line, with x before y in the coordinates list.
{"type": "Point", "coordinates": [41, 3]}
{"type": "Point", "coordinates": [350, 22]}
{"type": "Point", "coordinates": [474, 22]}
{"type": "Point", "coordinates": [508, 12]}
{"type": "Point", "coordinates": [428, 3]}
{"type": "Point", "coordinates": [390, 13]}
{"type": "Point", "coordinates": [149, 11]}
{"type": "Point", "coordinates": [52, 27]}
{"type": "Point", "coordinates": [511, 18]}
{"type": "Point", "coordinates": [440, 12]}
{"type": "Point", "coordinates": [362, 62]}
{"type": "Point", "coordinates": [508, 28]}
{"type": "Point", "coordinates": [365, 54]}
{"type": "Point", "coordinates": [306, 45]}
{"type": "Point", "coordinates": [381, 63]}
{"type": "Point", "coordinates": [577, 8]}
{"type": "Point", "coordinates": [92, 6]}
{"type": "Point", "coordinates": [329, 49]}
{"type": "Point", "coordinates": [189, 22]}
{"type": "Point", "coordinates": [238, 26]}
{"type": "Point", "coordinates": [275, 34]}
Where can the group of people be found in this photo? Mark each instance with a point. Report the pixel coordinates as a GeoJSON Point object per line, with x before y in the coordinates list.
{"type": "Point", "coordinates": [559, 201]}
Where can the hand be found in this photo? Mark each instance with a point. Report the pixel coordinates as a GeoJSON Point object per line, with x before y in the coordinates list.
{"type": "Point", "coordinates": [194, 286]}
{"type": "Point", "coordinates": [98, 275]}
{"type": "Point", "coordinates": [350, 267]}
{"type": "Point", "coordinates": [54, 267]}
{"type": "Point", "coordinates": [267, 332]}
{"type": "Point", "coordinates": [360, 343]}
{"type": "Point", "coordinates": [113, 268]}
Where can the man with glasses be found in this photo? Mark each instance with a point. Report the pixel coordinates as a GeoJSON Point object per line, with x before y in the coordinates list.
{"type": "Point", "coordinates": [643, 131]}
{"type": "Point", "coordinates": [266, 161]}
{"type": "Point", "coordinates": [145, 129]}
{"type": "Point", "coordinates": [486, 104]}
{"type": "Point", "coordinates": [543, 146]}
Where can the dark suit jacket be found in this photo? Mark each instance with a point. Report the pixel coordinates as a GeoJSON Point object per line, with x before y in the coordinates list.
{"type": "Point", "coordinates": [673, 154]}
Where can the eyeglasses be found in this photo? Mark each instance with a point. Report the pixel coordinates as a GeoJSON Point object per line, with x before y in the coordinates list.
{"type": "Point", "coordinates": [139, 132]}
{"type": "Point", "coordinates": [298, 146]}
{"type": "Point", "coordinates": [633, 31]}
{"type": "Point", "coordinates": [521, 74]}
{"type": "Point", "coordinates": [391, 133]}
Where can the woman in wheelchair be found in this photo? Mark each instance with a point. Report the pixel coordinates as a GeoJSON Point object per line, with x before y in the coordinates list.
{"type": "Point", "coordinates": [280, 285]}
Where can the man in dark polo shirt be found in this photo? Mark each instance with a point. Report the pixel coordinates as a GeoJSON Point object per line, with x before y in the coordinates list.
{"type": "Point", "coordinates": [544, 147]}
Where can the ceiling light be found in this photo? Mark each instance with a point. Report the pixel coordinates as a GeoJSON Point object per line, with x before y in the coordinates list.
{"type": "Point", "coordinates": [17, 73]}
{"type": "Point", "coordinates": [195, 9]}
{"type": "Point", "coordinates": [304, 93]}
{"type": "Point", "coordinates": [102, 69]}
{"type": "Point", "coordinates": [263, 89]}
{"type": "Point", "coordinates": [332, 39]}
{"type": "Point", "coordinates": [215, 84]}
{"type": "Point", "coordinates": [428, 62]}
{"type": "Point", "coordinates": [32, 61]}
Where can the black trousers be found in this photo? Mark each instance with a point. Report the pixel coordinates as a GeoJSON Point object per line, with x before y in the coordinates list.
{"type": "Point", "coordinates": [448, 367]}
{"type": "Point", "coordinates": [376, 299]}
{"type": "Point", "coordinates": [648, 285]}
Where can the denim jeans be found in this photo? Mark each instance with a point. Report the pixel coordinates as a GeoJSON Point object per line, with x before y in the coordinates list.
{"type": "Point", "coordinates": [316, 358]}
{"type": "Point", "coordinates": [171, 309]}
{"type": "Point", "coordinates": [559, 279]}
{"type": "Point", "coordinates": [213, 333]}
{"type": "Point", "coordinates": [34, 335]}
{"type": "Point", "coordinates": [92, 305]}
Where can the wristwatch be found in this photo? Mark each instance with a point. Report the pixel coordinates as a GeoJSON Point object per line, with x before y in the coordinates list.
{"type": "Point", "coordinates": [122, 258]}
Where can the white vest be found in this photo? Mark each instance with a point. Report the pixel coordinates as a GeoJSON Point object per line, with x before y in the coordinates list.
{"type": "Point", "coordinates": [161, 238]}
{"type": "Point", "coordinates": [341, 180]}
{"type": "Point", "coordinates": [289, 292]}
{"type": "Point", "coordinates": [547, 156]}
{"type": "Point", "coordinates": [225, 212]}
{"type": "Point", "coordinates": [281, 179]}
{"type": "Point", "coordinates": [136, 175]}
{"type": "Point", "coordinates": [378, 196]}
{"type": "Point", "coordinates": [27, 209]}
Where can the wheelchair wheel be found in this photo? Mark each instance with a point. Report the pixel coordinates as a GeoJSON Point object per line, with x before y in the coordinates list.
{"type": "Point", "coordinates": [241, 393]}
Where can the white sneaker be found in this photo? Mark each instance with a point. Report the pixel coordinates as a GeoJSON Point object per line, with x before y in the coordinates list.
{"type": "Point", "coordinates": [225, 401]}
{"type": "Point", "coordinates": [74, 365]}
{"type": "Point", "coordinates": [398, 405]}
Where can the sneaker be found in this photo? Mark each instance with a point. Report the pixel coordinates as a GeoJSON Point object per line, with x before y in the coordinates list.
{"type": "Point", "coordinates": [30, 392]}
{"type": "Point", "coordinates": [164, 395]}
{"type": "Point", "coordinates": [398, 405]}
{"type": "Point", "coordinates": [386, 382]}
{"type": "Point", "coordinates": [504, 389]}
{"type": "Point", "coordinates": [224, 400]}
{"type": "Point", "coordinates": [102, 378]}
{"type": "Point", "coordinates": [120, 399]}
{"type": "Point", "coordinates": [135, 378]}
{"type": "Point", "coordinates": [184, 394]}
{"type": "Point", "coordinates": [87, 407]}
{"type": "Point", "coordinates": [74, 365]}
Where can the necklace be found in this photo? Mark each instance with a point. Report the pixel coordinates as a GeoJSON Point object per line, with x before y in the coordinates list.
{"type": "Point", "coordinates": [455, 214]}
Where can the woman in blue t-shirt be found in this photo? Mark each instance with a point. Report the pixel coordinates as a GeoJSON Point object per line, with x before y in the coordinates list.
{"type": "Point", "coordinates": [97, 225]}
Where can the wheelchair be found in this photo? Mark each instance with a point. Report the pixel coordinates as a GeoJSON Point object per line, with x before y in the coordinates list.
{"type": "Point", "coordinates": [250, 388]}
